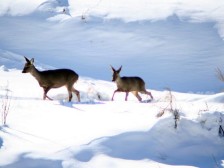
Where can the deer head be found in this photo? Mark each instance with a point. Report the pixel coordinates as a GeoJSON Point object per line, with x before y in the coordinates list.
{"type": "Point", "coordinates": [116, 73]}
{"type": "Point", "coordinates": [28, 65]}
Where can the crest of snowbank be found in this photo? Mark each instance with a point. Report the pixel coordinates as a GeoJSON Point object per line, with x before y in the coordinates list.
{"type": "Point", "coordinates": [197, 11]}
{"type": "Point", "coordinates": [18, 7]}
{"type": "Point", "coordinates": [135, 10]}
{"type": "Point", "coordinates": [10, 60]}
{"type": "Point", "coordinates": [149, 9]}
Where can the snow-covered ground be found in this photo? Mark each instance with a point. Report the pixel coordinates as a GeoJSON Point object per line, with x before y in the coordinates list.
{"type": "Point", "coordinates": [179, 46]}
{"type": "Point", "coordinates": [100, 133]}
{"type": "Point", "coordinates": [175, 44]}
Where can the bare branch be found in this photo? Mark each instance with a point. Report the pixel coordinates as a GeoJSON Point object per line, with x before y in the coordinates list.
{"type": "Point", "coordinates": [6, 105]}
{"type": "Point", "coordinates": [220, 74]}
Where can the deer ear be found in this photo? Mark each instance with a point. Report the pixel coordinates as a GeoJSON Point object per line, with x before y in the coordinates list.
{"type": "Point", "coordinates": [119, 70]}
{"type": "Point", "coordinates": [32, 61]}
{"type": "Point", "coordinates": [27, 60]}
{"type": "Point", "coordinates": [112, 68]}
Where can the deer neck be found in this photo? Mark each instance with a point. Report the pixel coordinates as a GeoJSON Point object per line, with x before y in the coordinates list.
{"type": "Point", "coordinates": [35, 73]}
{"type": "Point", "coordinates": [118, 79]}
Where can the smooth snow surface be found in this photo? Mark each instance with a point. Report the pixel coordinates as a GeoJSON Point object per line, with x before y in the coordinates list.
{"type": "Point", "coordinates": [176, 45]}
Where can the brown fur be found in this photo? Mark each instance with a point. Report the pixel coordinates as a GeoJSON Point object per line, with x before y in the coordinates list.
{"type": "Point", "coordinates": [129, 84]}
{"type": "Point", "coordinates": [53, 78]}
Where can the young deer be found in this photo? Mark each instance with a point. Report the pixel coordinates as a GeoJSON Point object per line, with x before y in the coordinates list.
{"type": "Point", "coordinates": [129, 84]}
{"type": "Point", "coordinates": [53, 78]}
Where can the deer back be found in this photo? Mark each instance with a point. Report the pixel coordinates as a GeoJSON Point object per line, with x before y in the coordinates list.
{"type": "Point", "coordinates": [130, 84]}
{"type": "Point", "coordinates": [127, 84]}
{"type": "Point", "coordinates": [51, 78]}
{"type": "Point", "coordinates": [57, 78]}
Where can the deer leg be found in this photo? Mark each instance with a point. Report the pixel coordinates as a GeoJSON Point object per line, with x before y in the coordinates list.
{"type": "Point", "coordinates": [126, 96]}
{"type": "Point", "coordinates": [149, 93]}
{"type": "Point", "coordinates": [137, 95]}
{"type": "Point", "coordinates": [112, 99]}
{"type": "Point", "coordinates": [46, 89]}
{"type": "Point", "coordinates": [70, 89]}
{"type": "Point", "coordinates": [77, 93]}
{"type": "Point", "coordinates": [69, 96]}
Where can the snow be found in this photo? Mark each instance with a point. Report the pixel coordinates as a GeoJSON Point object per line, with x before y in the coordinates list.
{"type": "Point", "coordinates": [176, 45]}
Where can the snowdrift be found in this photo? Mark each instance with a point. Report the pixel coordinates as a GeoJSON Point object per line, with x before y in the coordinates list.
{"type": "Point", "coordinates": [99, 133]}
{"type": "Point", "coordinates": [178, 47]}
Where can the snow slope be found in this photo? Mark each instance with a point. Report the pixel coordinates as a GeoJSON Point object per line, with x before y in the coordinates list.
{"type": "Point", "coordinates": [178, 50]}
{"type": "Point", "coordinates": [177, 45]}
{"type": "Point", "coordinates": [101, 133]}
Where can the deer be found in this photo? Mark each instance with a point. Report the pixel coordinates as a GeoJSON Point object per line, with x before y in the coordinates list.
{"type": "Point", "coordinates": [56, 78]}
{"type": "Point", "coordinates": [129, 84]}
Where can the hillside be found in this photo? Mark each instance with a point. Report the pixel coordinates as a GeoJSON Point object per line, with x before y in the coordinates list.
{"type": "Point", "coordinates": [175, 45]}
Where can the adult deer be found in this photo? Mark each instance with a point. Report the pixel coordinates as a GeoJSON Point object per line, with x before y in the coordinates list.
{"type": "Point", "coordinates": [129, 84]}
{"type": "Point", "coordinates": [53, 78]}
